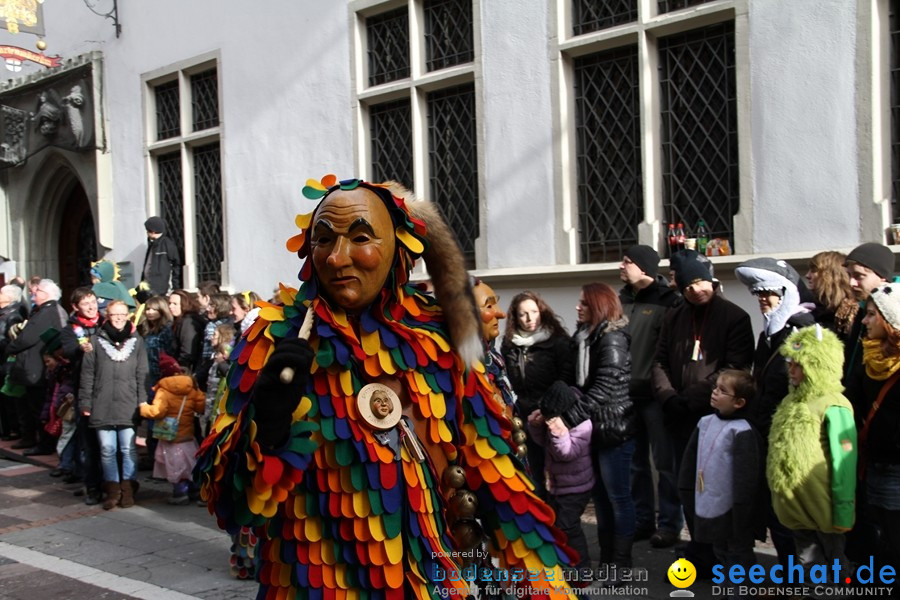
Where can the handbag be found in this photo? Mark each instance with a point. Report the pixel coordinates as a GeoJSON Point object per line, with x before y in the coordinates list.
{"type": "Point", "coordinates": [53, 427]}
{"type": "Point", "coordinates": [166, 429]}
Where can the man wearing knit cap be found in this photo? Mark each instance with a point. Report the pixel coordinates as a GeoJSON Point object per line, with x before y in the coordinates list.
{"type": "Point", "coordinates": [699, 338]}
{"type": "Point", "coordinates": [868, 265]}
{"type": "Point", "coordinates": [645, 298]}
{"type": "Point", "coordinates": [162, 261]}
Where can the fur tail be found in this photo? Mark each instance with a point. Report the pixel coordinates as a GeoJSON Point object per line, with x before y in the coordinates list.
{"type": "Point", "coordinates": [447, 269]}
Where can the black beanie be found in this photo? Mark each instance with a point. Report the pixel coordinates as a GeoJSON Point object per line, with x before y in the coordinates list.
{"type": "Point", "coordinates": [556, 400]}
{"type": "Point", "coordinates": [874, 256]}
{"type": "Point", "coordinates": [645, 257]}
{"type": "Point", "coordinates": [155, 224]}
{"type": "Point", "coordinates": [690, 266]}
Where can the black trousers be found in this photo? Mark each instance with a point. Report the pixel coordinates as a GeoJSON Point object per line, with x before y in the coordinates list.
{"type": "Point", "coordinates": [29, 408]}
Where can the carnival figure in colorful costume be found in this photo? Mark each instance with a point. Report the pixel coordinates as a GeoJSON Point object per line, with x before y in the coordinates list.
{"type": "Point", "coordinates": [349, 496]}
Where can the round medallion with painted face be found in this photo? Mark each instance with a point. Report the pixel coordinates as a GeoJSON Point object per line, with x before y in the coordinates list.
{"type": "Point", "coordinates": [379, 406]}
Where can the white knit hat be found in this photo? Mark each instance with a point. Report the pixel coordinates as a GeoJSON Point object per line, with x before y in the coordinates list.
{"type": "Point", "coordinates": [887, 299]}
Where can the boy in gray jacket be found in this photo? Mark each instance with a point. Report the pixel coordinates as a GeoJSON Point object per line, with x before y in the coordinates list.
{"type": "Point", "coordinates": [721, 477]}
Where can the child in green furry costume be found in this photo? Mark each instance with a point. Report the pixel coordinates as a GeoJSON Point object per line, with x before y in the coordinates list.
{"type": "Point", "coordinates": [811, 466]}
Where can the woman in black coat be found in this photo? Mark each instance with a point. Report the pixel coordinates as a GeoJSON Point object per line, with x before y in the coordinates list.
{"type": "Point", "coordinates": [602, 374]}
{"type": "Point", "coordinates": [536, 352]}
{"type": "Point", "coordinates": [187, 329]}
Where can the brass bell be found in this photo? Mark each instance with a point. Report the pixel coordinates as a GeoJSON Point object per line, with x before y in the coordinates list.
{"type": "Point", "coordinates": [517, 423]}
{"type": "Point", "coordinates": [463, 504]}
{"type": "Point", "coordinates": [519, 437]}
{"type": "Point", "coordinates": [454, 476]}
{"type": "Point", "coordinates": [522, 451]}
{"type": "Point", "coordinates": [467, 534]}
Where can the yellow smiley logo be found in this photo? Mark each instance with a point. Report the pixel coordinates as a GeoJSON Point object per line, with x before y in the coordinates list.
{"type": "Point", "coordinates": [682, 573]}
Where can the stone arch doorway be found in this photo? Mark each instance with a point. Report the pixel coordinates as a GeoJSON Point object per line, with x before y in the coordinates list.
{"type": "Point", "coordinates": [77, 242]}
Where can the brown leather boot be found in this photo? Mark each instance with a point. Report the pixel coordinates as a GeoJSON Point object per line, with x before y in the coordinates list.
{"type": "Point", "coordinates": [129, 487]}
{"type": "Point", "coordinates": [113, 491]}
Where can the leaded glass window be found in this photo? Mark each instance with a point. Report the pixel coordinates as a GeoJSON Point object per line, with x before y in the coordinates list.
{"type": "Point", "coordinates": [171, 207]}
{"type": "Point", "coordinates": [699, 128]}
{"type": "Point", "coordinates": [594, 15]}
{"type": "Point", "coordinates": [388, 46]}
{"type": "Point", "coordinates": [205, 99]}
{"type": "Point", "coordinates": [894, 23]}
{"type": "Point", "coordinates": [168, 114]}
{"type": "Point", "coordinates": [665, 6]}
{"type": "Point", "coordinates": [608, 147]}
{"type": "Point", "coordinates": [208, 212]}
{"type": "Point", "coordinates": [392, 145]}
{"type": "Point", "coordinates": [453, 162]}
{"type": "Point", "coordinates": [448, 33]}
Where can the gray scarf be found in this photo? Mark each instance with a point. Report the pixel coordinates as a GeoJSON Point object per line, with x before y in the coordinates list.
{"type": "Point", "coordinates": [583, 360]}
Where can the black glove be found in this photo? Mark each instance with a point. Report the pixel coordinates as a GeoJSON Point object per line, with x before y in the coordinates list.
{"type": "Point", "coordinates": [274, 401]}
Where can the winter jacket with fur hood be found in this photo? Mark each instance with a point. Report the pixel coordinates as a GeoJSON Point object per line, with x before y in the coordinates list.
{"type": "Point", "coordinates": [170, 391]}
{"type": "Point", "coordinates": [605, 387]}
{"type": "Point", "coordinates": [113, 379]}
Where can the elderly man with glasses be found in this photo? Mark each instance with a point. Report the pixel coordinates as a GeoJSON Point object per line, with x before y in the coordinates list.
{"type": "Point", "coordinates": [28, 369]}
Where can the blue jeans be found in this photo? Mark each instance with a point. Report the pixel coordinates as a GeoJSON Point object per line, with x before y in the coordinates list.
{"type": "Point", "coordinates": [110, 441]}
{"type": "Point", "coordinates": [612, 493]}
{"type": "Point", "coordinates": [68, 458]}
{"type": "Point", "coordinates": [654, 437]}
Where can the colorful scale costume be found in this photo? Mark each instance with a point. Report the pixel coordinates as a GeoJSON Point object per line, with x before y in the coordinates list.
{"type": "Point", "coordinates": [337, 516]}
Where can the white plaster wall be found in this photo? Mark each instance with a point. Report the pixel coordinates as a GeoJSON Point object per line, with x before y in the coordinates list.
{"type": "Point", "coordinates": [285, 110]}
{"type": "Point", "coordinates": [517, 122]}
{"type": "Point", "coordinates": [803, 124]}
{"type": "Point", "coordinates": [287, 114]}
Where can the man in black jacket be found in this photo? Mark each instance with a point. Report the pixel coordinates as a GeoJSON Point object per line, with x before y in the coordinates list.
{"type": "Point", "coordinates": [28, 369]}
{"type": "Point", "coordinates": [699, 338]}
{"type": "Point", "coordinates": [645, 298]}
{"type": "Point", "coordinates": [162, 261]}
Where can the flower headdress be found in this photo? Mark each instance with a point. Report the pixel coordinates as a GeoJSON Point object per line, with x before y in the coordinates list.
{"type": "Point", "coordinates": [409, 230]}
{"type": "Point", "coordinates": [420, 232]}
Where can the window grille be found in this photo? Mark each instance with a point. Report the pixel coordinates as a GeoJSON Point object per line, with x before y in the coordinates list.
{"type": "Point", "coordinates": [608, 147]}
{"type": "Point", "coordinates": [205, 99]}
{"type": "Point", "coordinates": [168, 168]}
{"type": "Point", "coordinates": [390, 126]}
{"type": "Point", "coordinates": [594, 15]}
{"type": "Point", "coordinates": [894, 23]}
{"type": "Point", "coordinates": [168, 115]}
{"type": "Point", "coordinates": [665, 6]}
{"type": "Point", "coordinates": [388, 46]}
{"type": "Point", "coordinates": [453, 162]}
{"type": "Point", "coordinates": [699, 128]}
{"type": "Point", "coordinates": [448, 33]}
{"type": "Point", "coordinates": [208, 212]}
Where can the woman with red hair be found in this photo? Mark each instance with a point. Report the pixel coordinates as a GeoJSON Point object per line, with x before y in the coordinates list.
{"type": "Point", "coordinates": [602, 373]}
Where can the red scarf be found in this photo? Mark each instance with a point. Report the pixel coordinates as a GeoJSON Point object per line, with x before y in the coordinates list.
{"type": "Point", "coordinates": [85, 322]}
